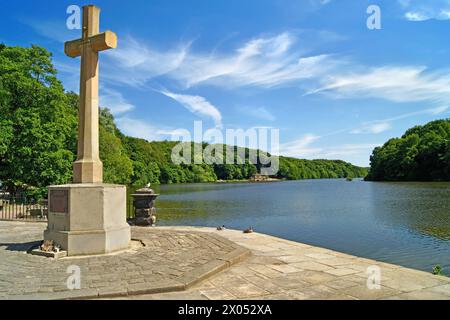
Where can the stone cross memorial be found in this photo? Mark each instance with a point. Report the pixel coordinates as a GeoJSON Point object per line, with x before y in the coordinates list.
{"type": "Point", "coordinates": [88, 217]}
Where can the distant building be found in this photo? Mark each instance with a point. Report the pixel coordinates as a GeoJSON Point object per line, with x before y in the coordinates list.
{"type": "Point", "coordinates": [259, 178]}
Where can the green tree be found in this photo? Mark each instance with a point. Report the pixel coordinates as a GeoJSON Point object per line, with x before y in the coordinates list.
{"type": "Point", "coordinates": [422, 153]}
{"type": "Point", "coordinates": [36, 120]}
{"type": "Point", "coordinates": [117, 166]}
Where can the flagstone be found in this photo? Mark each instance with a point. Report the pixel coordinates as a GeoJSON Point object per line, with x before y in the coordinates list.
{"type": "Point", "coordinates": [217, 294]}
{"type": "Point", "coordinates": [310, 265]}
{"type": "Point", "coordinates": [341, 271]}
{"type": "Point", "coordinates": [284, 268]}
{"type": "Point", "coordinates": [245, 290]}
{"type": "Point", "coordinates": [445, 289]}
{"type": "Point", "coordinates": [341, 284]}
{"type": "Point", "coordinates": [320, 256]}
{"type": "Point", "coordinates": [364, 293]}
{"type": "Point", "coordinates": [294, 258]}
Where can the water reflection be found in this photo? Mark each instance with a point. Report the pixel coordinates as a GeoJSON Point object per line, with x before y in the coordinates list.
{"type": "Point", "coordinates": [403, 223]}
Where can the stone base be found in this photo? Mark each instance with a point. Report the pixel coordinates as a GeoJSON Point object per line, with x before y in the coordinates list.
{"type": "Point", "coordinates": [87, 171]}
{"type": "Point", "coordinates": [93, 221]}
{"type": "Point", "coordinates": [49, 254]}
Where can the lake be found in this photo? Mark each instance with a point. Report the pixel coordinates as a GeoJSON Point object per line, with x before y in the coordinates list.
{"type": "Point", "coordinates": [401, 223]}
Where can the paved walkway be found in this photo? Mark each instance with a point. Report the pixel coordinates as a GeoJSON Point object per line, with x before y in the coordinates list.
{"type": "Point", "coordinates": [277, 269]}
{"type": "Point", "coordinates": [161, 261]}
{"type": "Point", "coordinates": [282, 269]}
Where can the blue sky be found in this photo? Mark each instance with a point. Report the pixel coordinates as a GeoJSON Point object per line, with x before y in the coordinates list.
{"type": "Point", "coordinates": [310, 68]}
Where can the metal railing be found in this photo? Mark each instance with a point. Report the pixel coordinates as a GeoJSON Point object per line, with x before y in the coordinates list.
{"type": "Point", "coordinates": [23, 209]}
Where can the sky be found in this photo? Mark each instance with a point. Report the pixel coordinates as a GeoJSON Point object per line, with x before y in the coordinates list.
{"type": "Point", "coordinates": [313, 69]}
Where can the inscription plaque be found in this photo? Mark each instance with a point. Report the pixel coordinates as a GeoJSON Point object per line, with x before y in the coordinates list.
{"type": "Point", "coordinates": [59, 201]}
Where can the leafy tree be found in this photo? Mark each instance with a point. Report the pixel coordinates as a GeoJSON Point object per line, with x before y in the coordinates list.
{"type": "Point", "coordinates": [422, 153]}
{"type": "Point", "coordinates": [36, 120]}
{"type": "Point", "coordinates": [117, 166]}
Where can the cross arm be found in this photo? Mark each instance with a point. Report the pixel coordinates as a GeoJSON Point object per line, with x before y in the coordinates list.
{"type": "Point", "coordinates": [102, 41]}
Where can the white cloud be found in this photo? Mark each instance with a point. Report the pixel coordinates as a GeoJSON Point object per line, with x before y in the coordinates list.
{"type": "Point", "coordinates": [419, 10]}
{"type": "Point", "coordinates": [398, 84]}
{"type": "Point", "coordinates": [304, 148]}
{"type": "Point", "coordinates": [272, 61]}
{"type": "Point", "coordinates": [114, 101]}
{"type": "Point", "coordinates": [69, 72]}
{"type": "Point", "coordinates": [379, 126]}
{"type": "Point", "coordinates": [143, 129]}
{"type": "Point", "coordinates": [54, 30]}
{"type": "Point", "coordinates": [430, 111]}
{"type": "Point", "coordinates": [300, 148]}
{"type": "Point", "coordinates": [134, 63]}
{"type": "Point", "coordinates": [267, 62]}
{"type": "Point", "coordinates": [263, 62]}
{"type": "Point", "coordinates": [374, 128]}
{"type": "Point", "coordinates": [438, 110]}
{"type": "Point", "coordinates": [416, 16]}
{"type": "Point", "coordinates": [197, 105]}
{"type": "Point", "coordinates": [258, 112]}
{"type": "Point", "coordinates": [342, 151]}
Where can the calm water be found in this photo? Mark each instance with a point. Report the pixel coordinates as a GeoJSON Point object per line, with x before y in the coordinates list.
{"type": "Point", "coordinates": [401, 223]}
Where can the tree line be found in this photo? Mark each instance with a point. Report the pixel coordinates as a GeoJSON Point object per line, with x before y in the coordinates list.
{"type": "Point", "coordinates": [421, 154]}
{"type": "Point", "coordinates": [38, 131]}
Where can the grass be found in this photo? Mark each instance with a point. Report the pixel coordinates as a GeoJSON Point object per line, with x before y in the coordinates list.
{"type": "Point", "coordinates": [437, 270]}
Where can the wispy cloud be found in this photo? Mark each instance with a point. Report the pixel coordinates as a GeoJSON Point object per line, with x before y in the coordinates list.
{"type": "Point", "coordinates": [143, 129]}
{"type": "Point", "coordinates": [398, 84]}
{"type": "Point", "coordinates": [69, 72]}
{"type": "Point", "coordinates": [345, 150]}
{"type": "Point", "coordinates": [262, 62]}
{"type": "Point", "coordinates": [272, 61]}
{"type": "Point", "coordinates": [300, 148]}
{"type": "Point", "coordinates": [379, 126]}
{"type": "Point", "coordinates": [114, 101]}
{"type": "Point", "coordinates": [135, 63]}
{"type": "Point", "coordinates": [430, 111]}
{"type": "Point", "coordinates": [197, 105]}
{"type": "Point", "coordinates": [261, 113]}
{"type": "Point", "coordinates": [265, 61]}
{"type": "Point", "coordinates": [419, 10]}
{"type": "Point", "coordinates": [374, 128]}
{"type": "Point", "coordinates": [306, 148]}
{"type": "Point", "coordinates": [55, 30]}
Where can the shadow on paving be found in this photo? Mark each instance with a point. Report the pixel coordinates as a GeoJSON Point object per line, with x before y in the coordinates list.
{"type": "Point", "coordinates": [21, 247]}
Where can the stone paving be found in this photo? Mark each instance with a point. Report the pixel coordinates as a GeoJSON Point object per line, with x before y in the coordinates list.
{"type": "Point", "coordinates": [162, 261]}
{"type": "Point", "coordinates": [180, 259]}
{"type": "Point", "coordinates": [281, 269]}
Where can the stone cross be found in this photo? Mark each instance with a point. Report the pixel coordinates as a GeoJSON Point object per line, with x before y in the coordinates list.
{"type": "Point", "coordinates": [88, 167]}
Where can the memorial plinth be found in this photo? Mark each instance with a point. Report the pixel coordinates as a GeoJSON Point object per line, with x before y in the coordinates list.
{"type": "Point", "coordinates": [88, 218]}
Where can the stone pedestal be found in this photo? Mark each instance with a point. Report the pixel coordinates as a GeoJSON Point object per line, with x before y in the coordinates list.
{"type": "Point", "coordinates": [88, 219]}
